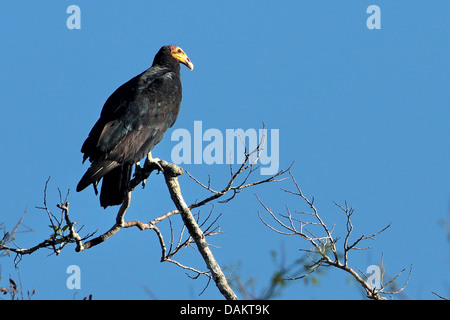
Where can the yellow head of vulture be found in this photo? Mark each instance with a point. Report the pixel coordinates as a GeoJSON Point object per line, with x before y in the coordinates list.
{"type": "Point", "coordinates": [179, 54]}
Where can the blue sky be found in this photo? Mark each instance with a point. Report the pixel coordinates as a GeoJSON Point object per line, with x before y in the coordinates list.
{"type": "Point", "coordinates": [363, 113]}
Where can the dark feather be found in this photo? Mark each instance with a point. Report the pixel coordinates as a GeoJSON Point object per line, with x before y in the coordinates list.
{"type": "Point", "coordinates": [115, 186]}
{"type": "Point", "coordinates": [95, 172]}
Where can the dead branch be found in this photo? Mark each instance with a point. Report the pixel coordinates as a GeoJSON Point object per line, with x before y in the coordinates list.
{"type": "Point", "coordinates": [64, 231]}
{"type": "Point", "coordinates": [324, 247]}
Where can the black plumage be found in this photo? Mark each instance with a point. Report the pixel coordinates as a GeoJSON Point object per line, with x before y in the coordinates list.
{"type": "Point", "coordinates": [133, 120]}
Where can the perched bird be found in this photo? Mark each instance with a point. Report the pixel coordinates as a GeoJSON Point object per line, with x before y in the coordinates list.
{"type": "Point", "coordinates": [133, 120]}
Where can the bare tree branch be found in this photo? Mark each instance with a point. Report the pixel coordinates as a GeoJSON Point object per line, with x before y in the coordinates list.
{"type": "Point", "coordinates": [171, 178]}
{"type": "Point", "coordinates": [323, 245]}
{"type": "Point", "coordinates": [64, 231]}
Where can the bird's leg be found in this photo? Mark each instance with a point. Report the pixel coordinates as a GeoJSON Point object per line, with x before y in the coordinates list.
{"type": "Point", "coordinates": [153, 162]}
{"type": "Point", "coordinates": [137, 167]}
{"type": "Point", "coordinates": [139, 173]}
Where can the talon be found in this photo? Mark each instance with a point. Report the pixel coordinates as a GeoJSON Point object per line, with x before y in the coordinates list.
{"type": "Point", "coordinates": [154, 162]}
{"type": "Point", "coordinates": [137, 169]}
{"type": "Point", "coordinates": [139, 172]}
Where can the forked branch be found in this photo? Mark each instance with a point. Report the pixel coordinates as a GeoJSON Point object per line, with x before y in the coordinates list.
{"type": "Point", "coordinates": [65, 231]}
{"type": "Point", "coordinates": [324, 249]}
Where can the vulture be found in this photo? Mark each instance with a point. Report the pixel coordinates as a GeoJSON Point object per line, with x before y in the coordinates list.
{"type": "Point", "coordinates": [132, 122]}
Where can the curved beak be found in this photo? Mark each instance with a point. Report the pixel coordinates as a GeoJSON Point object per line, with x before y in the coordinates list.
{"type": "Point", "coordinates": [179, 54]}
{"type": "Point", "coordinates": [187, 62]}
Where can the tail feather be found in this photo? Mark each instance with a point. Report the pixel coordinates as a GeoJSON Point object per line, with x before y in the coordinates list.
{"type": "Point", "coordinates": [115, 186]}
{"type": "Point", "coordinates": [116, 178]}
{"type": "Point", "coordinates": [95, 172]}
